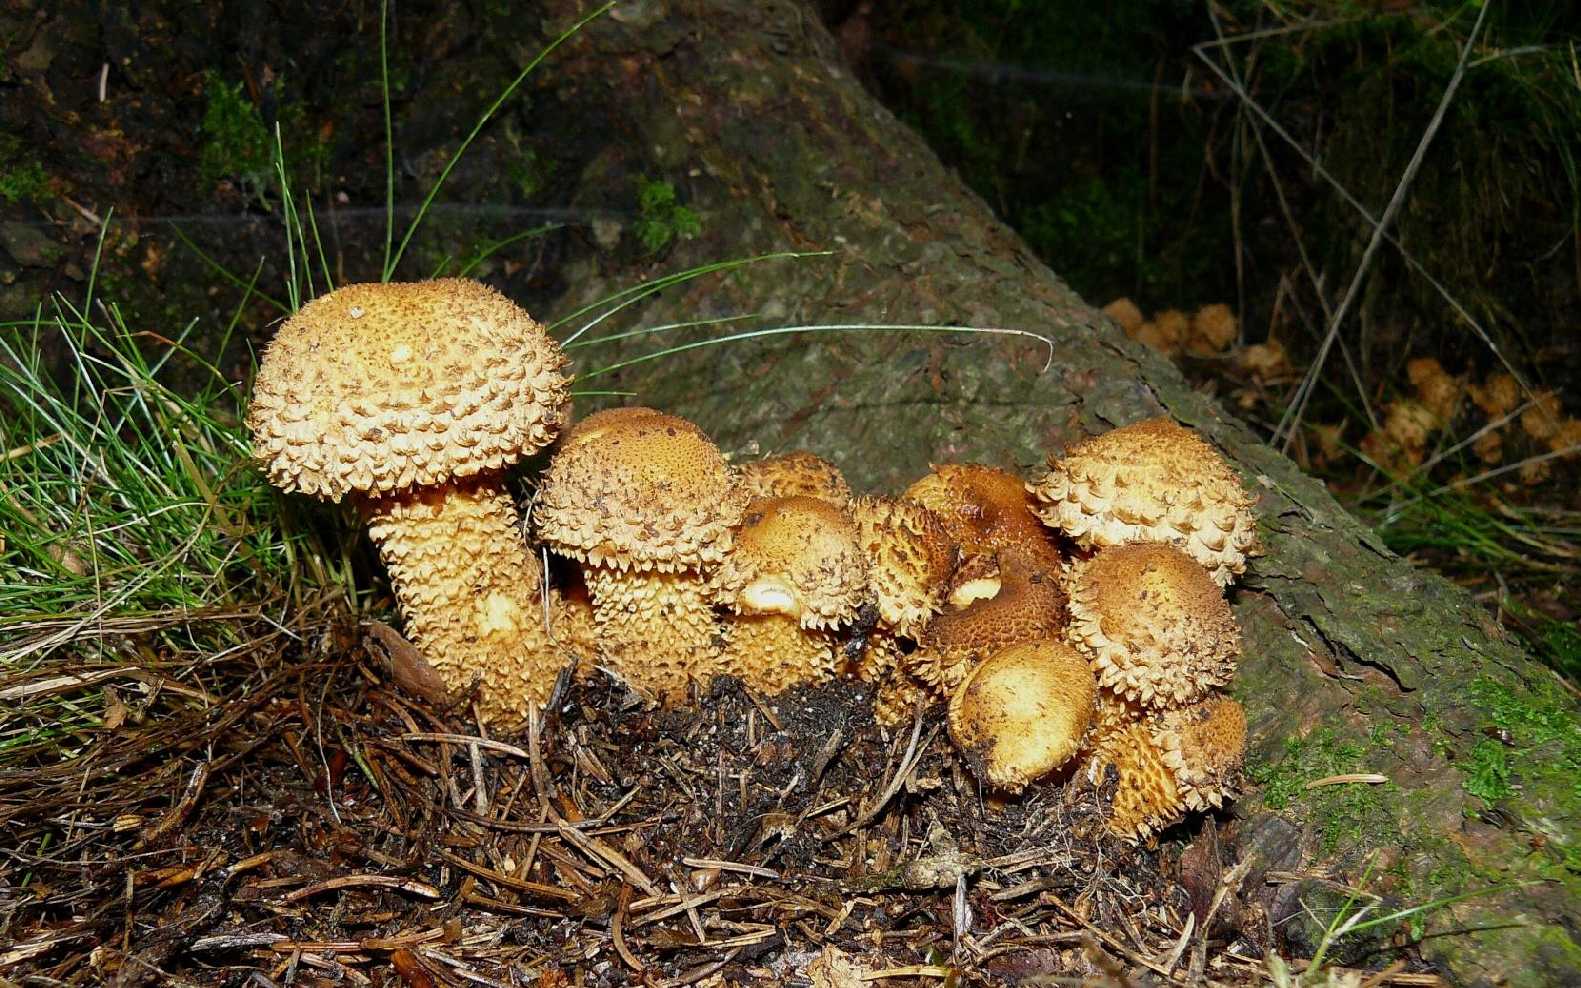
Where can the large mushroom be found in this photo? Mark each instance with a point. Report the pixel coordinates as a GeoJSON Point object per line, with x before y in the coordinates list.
{"type": "Point", "coordinates": [1153, 481]}
{"type": "Point", "coordinates": [795, 572]}
{"type": "Point", "coordinates": [645, 502]}
{"type": "Point", "coordinates": [988, 512]}
{"type": "Point", "coordinates": [412, 399]}
{"type": "Point", "coordinates": [1029, 605]}
{"type": "Point", "coordinates": [1153, 623]}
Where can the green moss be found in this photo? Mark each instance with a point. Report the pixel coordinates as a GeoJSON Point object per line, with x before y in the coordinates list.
{"type": "Point", "coordinates": [661, 219]}
{"type": "Point", "coordinates": [236, 143]}
{"type": "Point", "coordinates": [1347, 814]}
{"type": "Point", "coordinates": [21, 176]}
{"type": "Point", "coordinates": [1488, 771]}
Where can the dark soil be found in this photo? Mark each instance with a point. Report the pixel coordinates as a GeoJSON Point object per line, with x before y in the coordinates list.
{"type": "Point", "coordinates": [299, 820]}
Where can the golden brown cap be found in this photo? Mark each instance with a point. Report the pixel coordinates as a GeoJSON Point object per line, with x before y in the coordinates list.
{"type": "Point", "coordinates": [797, 556]}
{"type": "Point", "coordinates": [1153, 481]}
{"type": "Point", "coordinates": [794, 473]}
{"type": "Point", "coordinates": [1154, 624]}
{"type": "Point", "coordinates": [635, 488]}
{"type": "Point", "coordinates": [1023, 712]}
{"type": "Point", "coordinates": [1498, 395]}
{"type": "Point", "coordinates": [1028, 606]}
{"type": "Point", "coordinates": [377, 388]}
{"type": "Point", "coordinates": [1204, 745]}
{"type": "Point", "coordinates": [985, 510]}
{"type": "Point", "coordinates": [912, 560]}
{"type": "Point", "coordinates": [1213, 328]}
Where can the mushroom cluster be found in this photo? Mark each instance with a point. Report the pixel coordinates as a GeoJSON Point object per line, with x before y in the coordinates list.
{"type": "Point", "coordinates": [1075, 623]}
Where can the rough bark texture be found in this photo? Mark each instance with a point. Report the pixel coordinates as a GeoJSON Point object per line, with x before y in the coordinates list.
{"type": "Point", "coordinates": [1356, 661]}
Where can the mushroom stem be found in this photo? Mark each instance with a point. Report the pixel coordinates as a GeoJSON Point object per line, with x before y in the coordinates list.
{"type": "Point", "coordinates": [657, 628]}
{"type": "Point", "coordinates": [468, 588]}
{"type": "Point", "coordinates": [773, 652]}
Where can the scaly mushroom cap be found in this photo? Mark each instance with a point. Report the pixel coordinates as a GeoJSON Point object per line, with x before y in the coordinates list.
{"type": "Point", "coordinates": [985, 510]}
{"type": "Point", "coordinates": [1153, 481]}
{"type": "Point", "coordinates": [632, 488]}
{"type": "Point", "coordinates": [1111, 715]}
{"type": "Point", "coordinates": [912, 560]}
{"type": "Point", "coordinates": [1204, 746]}
{"type": "Point", "coordinates": [1146, 798]}
{"type": "Point", "coordinates": [1023, 712]}
{"type": "Point", "coordinates": [376, 388]}
{"type": "Point", "coordinates": [1154, 624]}
{"type": "Point", "coordinates": [1028, 606]}
{"type": "Point", "coordinates": [794, 473]}
{"type": "Point", "coordinates": [796, 556]}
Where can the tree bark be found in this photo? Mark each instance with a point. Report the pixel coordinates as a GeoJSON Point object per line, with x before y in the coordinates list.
{"type": "Point", "coordinates": [1356, 661]}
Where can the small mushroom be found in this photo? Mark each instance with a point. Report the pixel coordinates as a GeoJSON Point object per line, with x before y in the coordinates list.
{"type": "Point", "coordinates": [1153, 623]}
{"type": "Point", "coordinates": [412, 398]}
{"type": "Point", "coordinates": [1146, 798]}
{"type": "Point", "coordinates": [795, 572]}
{"type": "Point", "coordinates": [911, 559]}
{"type": "Point", "coordinates": [1204, 746]}
{"type": "Point", "coordinates": [1153, 481]}
{"type": "Point", "coordinates": [789, 474]}
{"type": "Point", "coordinates": [987, 511]}
{"type": "Point", "coordinates": [645, 502]}
{"type": "Point", "coordinates": [1022, 714]}
{"type": "Point", "coordinates": [1030, 605]}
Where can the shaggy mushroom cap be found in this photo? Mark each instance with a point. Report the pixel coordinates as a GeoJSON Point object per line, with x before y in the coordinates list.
{"type": "Point", "coordinates": [1029, 605]}
{"type": "Point", "coordinates": [1154, 624]}
{"type": "Point", "coordinates": [985, 510]}
{"type": "Point", "coordinates": [796, 569]}
{"type": "Point", "coordinates": [644, 500]}
{"type": "Point", "coordinates": [634, 488]}
{"type": "Point", "coordinates": [799, 557]}
{"type": "Point", "coordinates": [1023, 713]}
{"type": "Point", "coordinates": [1124, 312]}
{"type": "Point", "coordinates": [912, 560]}
{"type": "Point", "coordinates": [1153, 481]}
{"type": "Point", "coordinates": [794, 473]}
{"type": "Point", "coordinates": [413, 397]}
{"type": "Point", "coordinates": [376, 388]}
{"type": "Point", "coordinates": [1204, 746]}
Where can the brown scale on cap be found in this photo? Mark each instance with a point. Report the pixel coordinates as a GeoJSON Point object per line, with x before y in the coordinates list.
{"type": "Point", "coordinates": [1029, 605]}
{"type": "Point", "coordinates": [1023, 713]}
{"type": "Point", "coordinates": [412, 398]}
{"type": "Point", "coordinates": [645, 502]}
{"type": "Point", "coordinates": [1153, 481]}
{"type": "Point", "coordinates": [795, 570]}
{"type": "Point", "coordinates": [912, 560]}
{"type": "Point", "coordinates": [1153, 623]}
{"type": "Point", "coordinates": [986, 511]}
{"type": "Point", "coordinates": [1204, 746]}
{"type": "Point", "coordinates": [899, 693]}
{"type": "Point", "coordinates": [789, 474]}
{"type": "Point", "coordinates": [1111, 714]}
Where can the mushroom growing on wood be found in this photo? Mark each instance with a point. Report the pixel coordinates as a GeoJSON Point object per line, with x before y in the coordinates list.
{"type": "Point", "coordinates": [795, 571]}
{"type": "Point", "coordinates": [1022, 713]}
{"type": "Point", "coordinates": [1154, 624]}
{"type": "Point", "coordinates": [412, 398]}
{"type": "Point", "coordinates": [645, 502]}
{"type": "Point", "coordinates": [789, 474]}
{"type": "Point", "coordinates": [1153, 481]}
